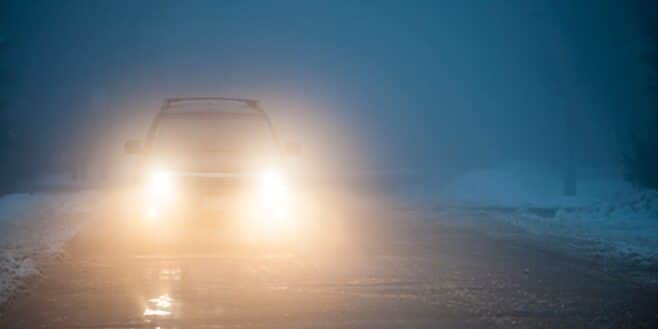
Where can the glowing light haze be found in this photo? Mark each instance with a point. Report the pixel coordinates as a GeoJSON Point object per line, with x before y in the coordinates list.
{"type": "Point", "coordinates": [445, 85]}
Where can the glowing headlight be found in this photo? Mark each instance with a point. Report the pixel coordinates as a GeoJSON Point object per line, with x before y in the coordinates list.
{"type": "Point", "coordinates": [272, 183]}
{"type": "Point", "coordinates": [160, 184]}
{"type": "Point", "coordinates": [274, 191]}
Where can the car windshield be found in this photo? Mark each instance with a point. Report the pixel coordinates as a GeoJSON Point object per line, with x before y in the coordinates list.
{"type": "Point", "coordinates": [213, 133]}
{"type": "Point", "coordinates": [209, 139]}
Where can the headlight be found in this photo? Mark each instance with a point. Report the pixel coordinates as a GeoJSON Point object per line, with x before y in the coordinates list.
{"type": "Point", "coordinates": [272, 185]}
{"type": "Point", "coordinates": [160, 184]}
{"type": "Point", "coordinates": [274, 192]}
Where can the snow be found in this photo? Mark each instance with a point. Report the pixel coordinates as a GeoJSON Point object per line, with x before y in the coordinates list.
{"type": "Point", "coordinates": [608, 216]}
{"type": "Point", "coordinates": [624, 228]}
{"type": "Point", "coordinates": [34, 227]}
{"type": "Point", "coordinates": [522, 185]}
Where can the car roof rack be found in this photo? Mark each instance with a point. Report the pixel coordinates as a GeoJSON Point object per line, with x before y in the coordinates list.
{"type": "Point", "coordinates": [170, 102]}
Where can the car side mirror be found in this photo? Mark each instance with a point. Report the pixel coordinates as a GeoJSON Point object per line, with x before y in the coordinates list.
{"type": "Point", "coordinates": [133, 147]}
{"type": "Point", "coordinates": [292, 149]}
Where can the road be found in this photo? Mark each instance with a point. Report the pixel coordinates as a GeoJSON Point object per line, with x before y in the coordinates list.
{"type": "Point", "coordinates": [402, 269]}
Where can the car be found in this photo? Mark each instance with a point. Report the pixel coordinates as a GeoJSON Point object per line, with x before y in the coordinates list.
{"type": "Point", "coordinates": [213, 160]}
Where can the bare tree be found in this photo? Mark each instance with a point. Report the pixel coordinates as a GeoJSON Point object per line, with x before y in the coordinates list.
{"type": "Point", "coordinates": [7, 136]}
{"type": "Point", "coordinates": [642, 158]}
{"type": "Point", "coordinates": [562, 79]}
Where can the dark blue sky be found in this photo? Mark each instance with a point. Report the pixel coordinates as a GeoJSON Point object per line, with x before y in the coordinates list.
{"type": "Point", "coordinates": [441, 84]}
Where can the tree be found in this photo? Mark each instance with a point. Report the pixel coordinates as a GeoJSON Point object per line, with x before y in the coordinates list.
{"type": "Point", "coordinates": [563, 80]}
{"type": "Point", "coordinates": [642, 159]}
{"type": "Point", "coordinates": [6, 133]}
{"type": "Point", "coordinates": [14, 164]}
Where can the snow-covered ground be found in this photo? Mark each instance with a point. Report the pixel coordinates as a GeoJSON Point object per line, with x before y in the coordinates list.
{"type": "Point", "coordinates": [607, 214]}
{"type": "Point", "coordinates": [33, 227]}
{"type": "Point", "coordinates": [522, 185]}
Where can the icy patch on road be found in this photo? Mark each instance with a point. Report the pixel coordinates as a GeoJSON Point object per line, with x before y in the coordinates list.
{"type": "Point", "coordinates": [34, 226]}
{"type": "Point", "coordinates": [13, 268]}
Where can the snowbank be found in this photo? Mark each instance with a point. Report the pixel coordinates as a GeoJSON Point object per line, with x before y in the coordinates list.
{"type": "Point", "coordinates": [608, 214]}
{"type": "Point", "coordinates": [625, 228]}
{"type": "Point", "coordinates": [33, 226]}
{"type": "Point", "coordinates": [522, 185]}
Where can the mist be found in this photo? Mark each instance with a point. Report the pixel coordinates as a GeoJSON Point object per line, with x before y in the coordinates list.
{"type": "Point", "coordinates": [339, 164]}
{"type": "Point", "coordinates": [442, 86]}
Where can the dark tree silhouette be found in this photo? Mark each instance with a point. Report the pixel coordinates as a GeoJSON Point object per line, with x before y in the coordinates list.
{"type": "Point", "coordinates": [642, 158]}
{"type": "Point", "coordinates": [14, 161]}
{"type": "Point", "coordinates": [6, 133]}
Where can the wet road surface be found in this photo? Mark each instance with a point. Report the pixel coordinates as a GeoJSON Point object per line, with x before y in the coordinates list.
{"type": "Point", "coordinates": [402, 269]}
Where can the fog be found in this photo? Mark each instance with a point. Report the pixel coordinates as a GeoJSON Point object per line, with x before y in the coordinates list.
{"type": "Point", "coordinates": [441, 86]}
{"type": "Point", "coordinates": [420, 164]}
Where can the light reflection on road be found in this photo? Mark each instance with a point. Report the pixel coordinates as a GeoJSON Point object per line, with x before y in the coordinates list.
{"type": "Point", "coordinates": [170, 273]}
{"type": "Point", "coordinates": [158, 307]}
{"type": "Point", "coordinates": [160, 276]}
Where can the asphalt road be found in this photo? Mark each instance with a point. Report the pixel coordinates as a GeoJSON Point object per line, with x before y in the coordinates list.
{"type": "Point", "coordinates": [400, 269]}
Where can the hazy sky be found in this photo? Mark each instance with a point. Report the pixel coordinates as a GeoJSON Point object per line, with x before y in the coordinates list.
{"type": "Point", "coordinates": [436, 84]}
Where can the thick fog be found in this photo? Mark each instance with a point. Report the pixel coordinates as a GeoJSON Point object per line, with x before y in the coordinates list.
{"type": "Point", "coordinates": [439, 85]}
